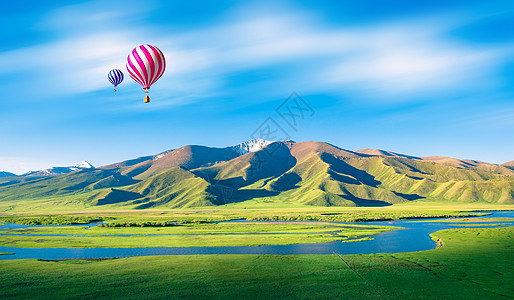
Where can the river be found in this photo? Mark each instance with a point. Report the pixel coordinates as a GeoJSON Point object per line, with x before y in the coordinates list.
{"type": "Point", "coordinates": [411, 235]}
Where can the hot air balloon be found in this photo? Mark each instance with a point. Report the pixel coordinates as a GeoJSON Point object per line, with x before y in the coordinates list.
{"type": "Point", "coordinates": [146, 64]}
{"type": "Point", "coordinates": [115, 76]}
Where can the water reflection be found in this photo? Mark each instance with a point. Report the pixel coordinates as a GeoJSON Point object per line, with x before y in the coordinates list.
{"type": "Point", "coordinates": [413, 237]}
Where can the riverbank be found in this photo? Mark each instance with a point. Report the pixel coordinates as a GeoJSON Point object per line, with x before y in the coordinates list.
{"type": "Point", "coordinates": [138, 218]}
{"type": "Point", "coordinates": [189, 235]}
{"type": "Point", "coordinates": [475, 263]}
{"type": "Point", "coordinates": [274, 238]}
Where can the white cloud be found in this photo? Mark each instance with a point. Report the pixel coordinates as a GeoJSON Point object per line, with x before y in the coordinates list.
{"type": "Point", "coordinates": [387, 61]}
{"type": "Point", "coordinates": [407, 61]}
{"type": "Point", "coordinates": [69, 66]}
{"type": "Point", "coordinates": [384, 61]}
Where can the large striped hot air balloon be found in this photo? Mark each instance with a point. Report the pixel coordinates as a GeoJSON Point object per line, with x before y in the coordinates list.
{"type": "Point", "coordinates": [115, 76]}
{"type": "Point", "coordinates": [146, 64]}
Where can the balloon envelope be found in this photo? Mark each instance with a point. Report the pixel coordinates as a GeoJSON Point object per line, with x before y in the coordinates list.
{"type": "Point", "coordinates": [146, 64]}
{"type": "Point", "coordinates": [115, 77]}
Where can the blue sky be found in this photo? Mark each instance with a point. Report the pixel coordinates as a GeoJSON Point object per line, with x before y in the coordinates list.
{"type": "Point", "coordinates": [421, 78]}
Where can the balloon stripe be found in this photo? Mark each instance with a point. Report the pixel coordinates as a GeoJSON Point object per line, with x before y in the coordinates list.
{"type": "Point", "coordinates": [151, 59]}
{"type": "Point", "coordinates": [158, 62]}
{"type": "Point", "coordinates": [136, 69]}
{"type": "Point", "coordinates": [145, 65]}
{"type": "Point", "coordinates": [132, 68]}
{"type": "Point", "coordinates": [138, 62]}
{"type": "Point", "coordinates": [119, 75]}
{"type": "Point", "coordinates": [134, 76]}
{"type": "Point", "coordinates": [161, 62]}
{"type": "Point", "coordinates": [115, 77]}
{"type": "Point", "coordinates": [153, 68]}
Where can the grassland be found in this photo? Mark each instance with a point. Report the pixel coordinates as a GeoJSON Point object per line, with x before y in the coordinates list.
{"type": "Point", "coordinates": [190, 235]}
{"type": "Point", "coordinates": [473, 264]}
{"type": "Point", "coordinates": [198, 228]}
{"type": "Point", "coordinates": [276, 213]}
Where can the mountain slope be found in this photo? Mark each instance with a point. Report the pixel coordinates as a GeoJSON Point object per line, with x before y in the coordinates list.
{"type": "Point", "coordinates": [7, 174]}
{"type": "Point", "coordinates": [173, 188]}
{"type": "Point", "coordinates": [71, 183]}
{"type": "Point", "coordinates": [378, 152]}
{"type": "Point", "coordinates": [266, 173]}
{"type": "Point", "coordinates": [454, 162]}
{"type": "Point", "coordinates": [189, 157]}
{"type": "Point", "coordinates": [60, 170]}
{"type": "Point", "coordinates": [509, 164]}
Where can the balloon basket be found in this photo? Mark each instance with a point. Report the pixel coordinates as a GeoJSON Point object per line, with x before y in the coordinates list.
{"type": "Point", "coordinates": [147, 98]}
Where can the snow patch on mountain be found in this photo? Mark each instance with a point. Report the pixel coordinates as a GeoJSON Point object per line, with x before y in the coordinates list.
{"type": "Point", "coordinates": [83, 165]}
{"type": "Point", "coordinates": [251, 146]}
{"type": "Point", "coordinates": [60, 170]}
{"type": "Point", "coordinates": [157, 156]}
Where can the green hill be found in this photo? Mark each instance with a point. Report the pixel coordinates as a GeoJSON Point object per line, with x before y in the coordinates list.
{"type": "Point", "coordinates": [281, 174]}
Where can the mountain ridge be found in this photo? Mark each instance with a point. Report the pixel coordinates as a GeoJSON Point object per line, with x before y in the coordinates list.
{"type": "Point", "coordinates": [274, 173]}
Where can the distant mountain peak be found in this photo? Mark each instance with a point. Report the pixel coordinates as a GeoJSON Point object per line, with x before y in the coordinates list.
{"type": "Point", "coordinates": [84, 165]}
{"type": "Point", "coordinates": [60, 170]}
{"type": "Point", "coordinates": [157, 156]}
{"type": "Point", "coordinates": [6, 174]}
{"type": "Point", "coordinates": [251, 146]}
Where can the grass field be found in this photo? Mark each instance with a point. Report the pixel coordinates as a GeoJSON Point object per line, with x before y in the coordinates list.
{"type": "Point", "coordinates": [284, 213]}
{"type": "Point", "coordinates": [189, 235]}
{"type": "Point", "coordinates": [151, 226]}
{"type": "Point", "coordinates": [473, 264]}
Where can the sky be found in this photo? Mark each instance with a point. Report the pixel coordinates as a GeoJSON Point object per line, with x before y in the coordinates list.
{"type": "Point", "coordinates": [416, 77]}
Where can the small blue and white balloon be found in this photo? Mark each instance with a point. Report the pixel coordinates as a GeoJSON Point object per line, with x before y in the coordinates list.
{"type": "Point", "coordinates": [115, 77]}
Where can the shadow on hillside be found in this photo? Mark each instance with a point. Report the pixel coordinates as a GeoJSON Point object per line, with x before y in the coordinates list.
{"type": "Point", "coordinates": [94, 179]}
{"type": "Point", "coordinates": [404, 163]}
{"type": "Point", "coordinates": [342, 178]}
{"type": "Point", "coordinates": [410, 197]}
{"type": "Point", "coordinates": [116, 196]}
{"type": "Point", "coordinates": [272, 161]}
{"type": "Point", "coordinates": [341, 167]}
{"type": "Point", "coordinates": [286, 182]}
{"type": "Point", "coordinates": [366, 202]}
{"type": "Point", "coordinates": [228, 194]}
{"type": "Point", "coordinates": [137, 169]}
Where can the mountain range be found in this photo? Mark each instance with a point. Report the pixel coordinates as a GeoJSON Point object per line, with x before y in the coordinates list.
{"type": "Point", "coordinates": [261, 173]}
{"type": "Point", "coordinates": [58, 170]}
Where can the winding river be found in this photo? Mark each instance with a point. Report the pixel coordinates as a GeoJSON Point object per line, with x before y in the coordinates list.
{"type": "Point", "coordinates": [411, 235]}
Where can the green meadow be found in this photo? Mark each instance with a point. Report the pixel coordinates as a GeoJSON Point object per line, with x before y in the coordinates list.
{"type": "Point", "coordinates": [154, 217]}
{"type": "Point", "coordinates": [473, 264]}
{"type": "Point", "coordinates": [199, 228]}
{"type": "Point", "coordinates": [188, 235]}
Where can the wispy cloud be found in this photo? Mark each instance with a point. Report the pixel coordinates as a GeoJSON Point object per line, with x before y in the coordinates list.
{"type": "Point", "coordinates": [385, 61]}
{"type": "Point", "coordinates": [398, 61]}
{"type": "Point", "coordinates": [407, 61]}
